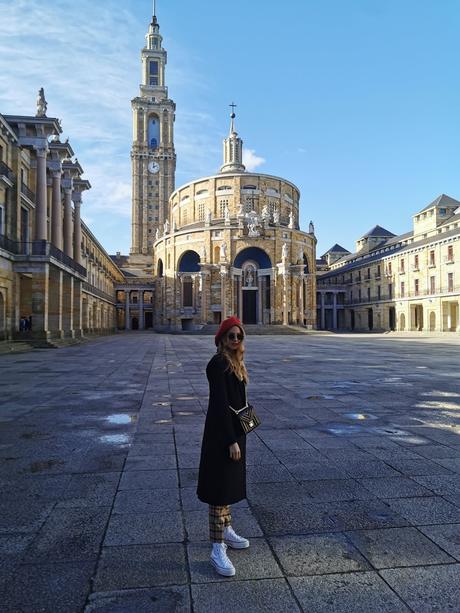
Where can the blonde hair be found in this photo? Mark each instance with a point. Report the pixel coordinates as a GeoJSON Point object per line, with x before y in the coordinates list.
{"type": "Point", "coordinates": [235, 359]}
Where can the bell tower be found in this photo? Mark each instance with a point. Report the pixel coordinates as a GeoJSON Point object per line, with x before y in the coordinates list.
{"type": "Point", "coordinates": [152, 154]}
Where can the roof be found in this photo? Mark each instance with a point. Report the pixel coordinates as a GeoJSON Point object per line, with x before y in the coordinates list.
{"type": "Point", "coordinates": [379, 232]}
{"type": "Point", "coordinates": [441, 200]}
{"type": "Point", "coordinates": [355, 260]}
{"type": "Point", "coordinates": [337, 249]}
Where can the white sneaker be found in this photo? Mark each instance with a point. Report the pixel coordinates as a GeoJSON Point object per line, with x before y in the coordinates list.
{"type": "Point", "coordinates": [220, 561]}
{"type": "Point", "coordinates": [233, 540]}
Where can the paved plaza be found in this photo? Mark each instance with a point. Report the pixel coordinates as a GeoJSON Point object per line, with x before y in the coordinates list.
{"type": "Point", "coordinates": [353, 477]}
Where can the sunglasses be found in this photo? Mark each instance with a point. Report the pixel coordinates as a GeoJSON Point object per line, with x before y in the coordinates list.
{"type": "Point", "coordinates": [235, 337]}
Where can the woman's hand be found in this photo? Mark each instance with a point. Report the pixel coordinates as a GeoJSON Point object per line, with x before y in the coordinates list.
{"type": "Point", "coordinates": [235, 452]}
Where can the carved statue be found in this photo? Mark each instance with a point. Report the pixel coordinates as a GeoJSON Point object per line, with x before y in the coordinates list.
{"type": "Point", "coordinates": [42, 105]}
{"type": "Point", "coordinates": [249, 276]}
{"type": "Point", "coordinates": [166, 227]}
{"type": "Point", "coordinates": [253, 224]}
{"type": "Point", "coordinates": [311, 228]}
{"type": "Point", "coordinates": [208, 216]}
{"type": "Point", "coordinates": [285, 251]}
{"type": "Point", "coordinates": [291, 219]}
{"type": "Point", "coordinates": [226, 213]}
{"type": "Point", "coordinates": [223, 251]}
{"type": "Point", "coordinates": [276, 216]}
{"type": "Point", "coordinates": [265, 213]}
{"type": "Point", "coordinates": [240, 210]}
{"type": "Point", "coordinates": [157, 234]}
{"type": "Point", "coordinates": [300, 258]}
{"type": "Point", "coordinates": [174, 226]}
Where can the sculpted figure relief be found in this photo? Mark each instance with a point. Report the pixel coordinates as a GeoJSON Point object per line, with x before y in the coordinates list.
{"type": "Point", "coordinates": [285, 251]}
{"type": "Point", "coordinates": [223, 251]}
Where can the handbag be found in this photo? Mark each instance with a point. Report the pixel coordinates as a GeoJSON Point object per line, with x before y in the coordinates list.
{"type": "Point", "coordinates": [247, 416]}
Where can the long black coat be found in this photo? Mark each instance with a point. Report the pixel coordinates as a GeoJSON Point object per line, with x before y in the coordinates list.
{"type": "Point", "coordinates": [221, 480]}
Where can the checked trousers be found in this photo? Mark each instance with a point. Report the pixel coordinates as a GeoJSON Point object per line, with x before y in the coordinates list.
{"type": "Point", "coordinates": [219, 519]}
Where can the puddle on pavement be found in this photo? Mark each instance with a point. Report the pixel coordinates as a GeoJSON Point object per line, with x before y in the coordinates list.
{"type": "Point", "coordinates": [184, 413]}
{"type": "Point", "coordinates": [185, 397]}
{"type": "Point", "coordinates": [360, 416]}
{"type": "Point", "coordinates": [121, 418]}
{"type": "Point", "coordinates": [345, 429]}
{"type": "Point", "coordinates": [319, 397]}
{"type": "Point", "coordinates": [163, 421]}
{"type": "Point", "coordinates": [162, 404]}
{"type": "Point", "coordinates": [115, 439]}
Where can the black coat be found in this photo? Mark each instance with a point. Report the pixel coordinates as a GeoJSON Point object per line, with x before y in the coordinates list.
{"type": "Point", "coordinates": [221, 480]}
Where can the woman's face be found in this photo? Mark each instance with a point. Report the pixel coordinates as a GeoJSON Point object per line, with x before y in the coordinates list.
{"type": "Point", "coordinates": [234, 338]}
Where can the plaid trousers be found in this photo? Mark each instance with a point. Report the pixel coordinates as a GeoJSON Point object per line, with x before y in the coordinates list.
{"type": "Point", "coordinates": [219, 518]}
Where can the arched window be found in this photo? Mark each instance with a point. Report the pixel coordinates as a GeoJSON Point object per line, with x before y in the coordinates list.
{"type": "Point", "coordinates": [154, 132]}
{"type": "Point", "coordinates": [187, 292]}
{"type": "Point", "coordinates": [160, 268]}
{"type": "Point", "coordinates": [189, 262]}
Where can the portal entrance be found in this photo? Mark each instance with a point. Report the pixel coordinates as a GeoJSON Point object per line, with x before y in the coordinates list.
{"type": "Point", "coordinates": [250, 306]}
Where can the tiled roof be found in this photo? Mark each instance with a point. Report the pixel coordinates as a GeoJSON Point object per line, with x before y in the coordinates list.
{"type": "Point", "coordinates": [441, 200]}
{"type": "Point", "coordinates": [379, 232]}
{"type": "Point", "coordinates": [337, 249]}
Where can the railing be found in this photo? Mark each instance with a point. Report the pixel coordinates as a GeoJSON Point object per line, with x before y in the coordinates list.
{"type": "Point", "coordinates": [6, 171]}
{"type": "Point", "coordinates": [27, 192]}
{"type": "Point", "coordinates": [97, 292]}
{"type": "Point", "coordinates": [41, 248]}
{"type": "Point", "coordinates": [412, 294]}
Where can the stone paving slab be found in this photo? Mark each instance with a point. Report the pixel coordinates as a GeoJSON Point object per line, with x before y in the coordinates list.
{"type": "Point", "coordinates": [353, 477]}
{"type": "Point", "coordinates": [346, 592]}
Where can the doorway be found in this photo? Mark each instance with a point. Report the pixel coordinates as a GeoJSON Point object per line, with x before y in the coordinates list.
{"type": "Point", "coordinates": [250, 306]}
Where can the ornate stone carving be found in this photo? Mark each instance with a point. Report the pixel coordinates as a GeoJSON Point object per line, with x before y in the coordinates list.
{"type": "Point", "coordinates": [223, 252]}
{"type": "Point", "coordinates": [42, 105]}
{"type": "Point", "coordinates": [291, 220]}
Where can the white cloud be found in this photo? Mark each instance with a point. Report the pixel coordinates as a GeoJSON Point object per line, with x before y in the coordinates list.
{"type": "Point", "coordinates": [251, 160]}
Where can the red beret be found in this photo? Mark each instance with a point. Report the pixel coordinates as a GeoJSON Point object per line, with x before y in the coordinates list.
{"type": "Point", "coordinates": [225, 327]}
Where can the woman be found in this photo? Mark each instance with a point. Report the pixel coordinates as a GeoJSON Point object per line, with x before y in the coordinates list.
{"type": "Point", "coordinates": [222, 476]}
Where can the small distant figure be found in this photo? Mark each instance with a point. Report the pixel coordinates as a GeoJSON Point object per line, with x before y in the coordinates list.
{"type": "Point", "coordinates": [22, 324]}
{"type": "Point", "coordinates": [29, 323]}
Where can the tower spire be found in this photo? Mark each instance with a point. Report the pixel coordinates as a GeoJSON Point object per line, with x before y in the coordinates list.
{"type": "Point", "coordinates": [233, 148]}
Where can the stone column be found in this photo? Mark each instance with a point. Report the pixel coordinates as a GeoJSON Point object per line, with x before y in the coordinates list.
{"type": "Point", "coordinates": [285, 299]}
{"type": "Point", "coordinates": [41, 193]}
{"type": "Point", "coordinates": [68, 246]}
{"type": "Point", "coordinates": [77, 309]}
{"type": "Point", "coordinates": [56, 210]}
{"type": "Point", "coordinates": [127, 317]}
{"type": "Point", "coordinates": [141, 309]}
{"type": "Point", "coordinates": [301, 301]}
{"type": "Point", "coordinates": [334, 310]}
{"type": "Point", "coordinates": [323, 312]}
{"type": "Point", "coordinates": [40, 302]}
{"type": "Point", "coordinates": [259, 300]}
{"type": "Point", "coordinates": [223, 275]}
{"type": "Point", "coordinates": [76, 197]}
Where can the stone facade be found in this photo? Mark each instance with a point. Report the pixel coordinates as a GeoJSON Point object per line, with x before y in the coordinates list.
{"type": "Point", "coordinates": [56, 280]}
{"type": "Point", "coordinates": [405, 283]}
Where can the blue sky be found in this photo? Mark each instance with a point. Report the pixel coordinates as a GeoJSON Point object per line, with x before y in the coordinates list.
{"type": "Point", "coordinates": [357, 102]}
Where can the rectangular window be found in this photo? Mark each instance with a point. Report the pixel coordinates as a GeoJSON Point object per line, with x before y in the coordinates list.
{"type": "Point", "coordinates": [201, 211]}
{"type": "Point", "coordinates": [416, 262]}
{"type": "Point", "coordinates": [184, 217]}
{"type": "Point", "coordinates": [359, 275]}
{"type": "Point", "coordinates": [379, 293]}
{"type": "Point", "coordinates": [450, 282]}
{"type": "Point", "coordinates": [369, 293]}
{"type": "Point", "coordinates": [368, 273]}
{"type": "Point", "coordinates": [153, 67]}
{"type": "Point", "coordinates": [402, 292]}
{"type": "Point", "coordinates": [432, 285]}
{"type": "Point", "coordinates": [432, 258]}
{"type": "Point", "coordinates": [389, 268]}
{"type": "Point", "coordinates": [223, 202]}
{"type": "Point", "coordinates": [2, 222]}
{"type": "Point", "coordinates": [378, 271]}
{"type": "Point", "coordinates": [153, 80]}
{"type": "Point", "coordinates": [359, 295]}
{"type": "Point", "coordinates": [402, 265]}
{"type": "Point", "coordinates": [390, 290]}
{"type": "Point", "coordinates": [416, 286]}
{"type": "Point", "coordinates": [450, 253]}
